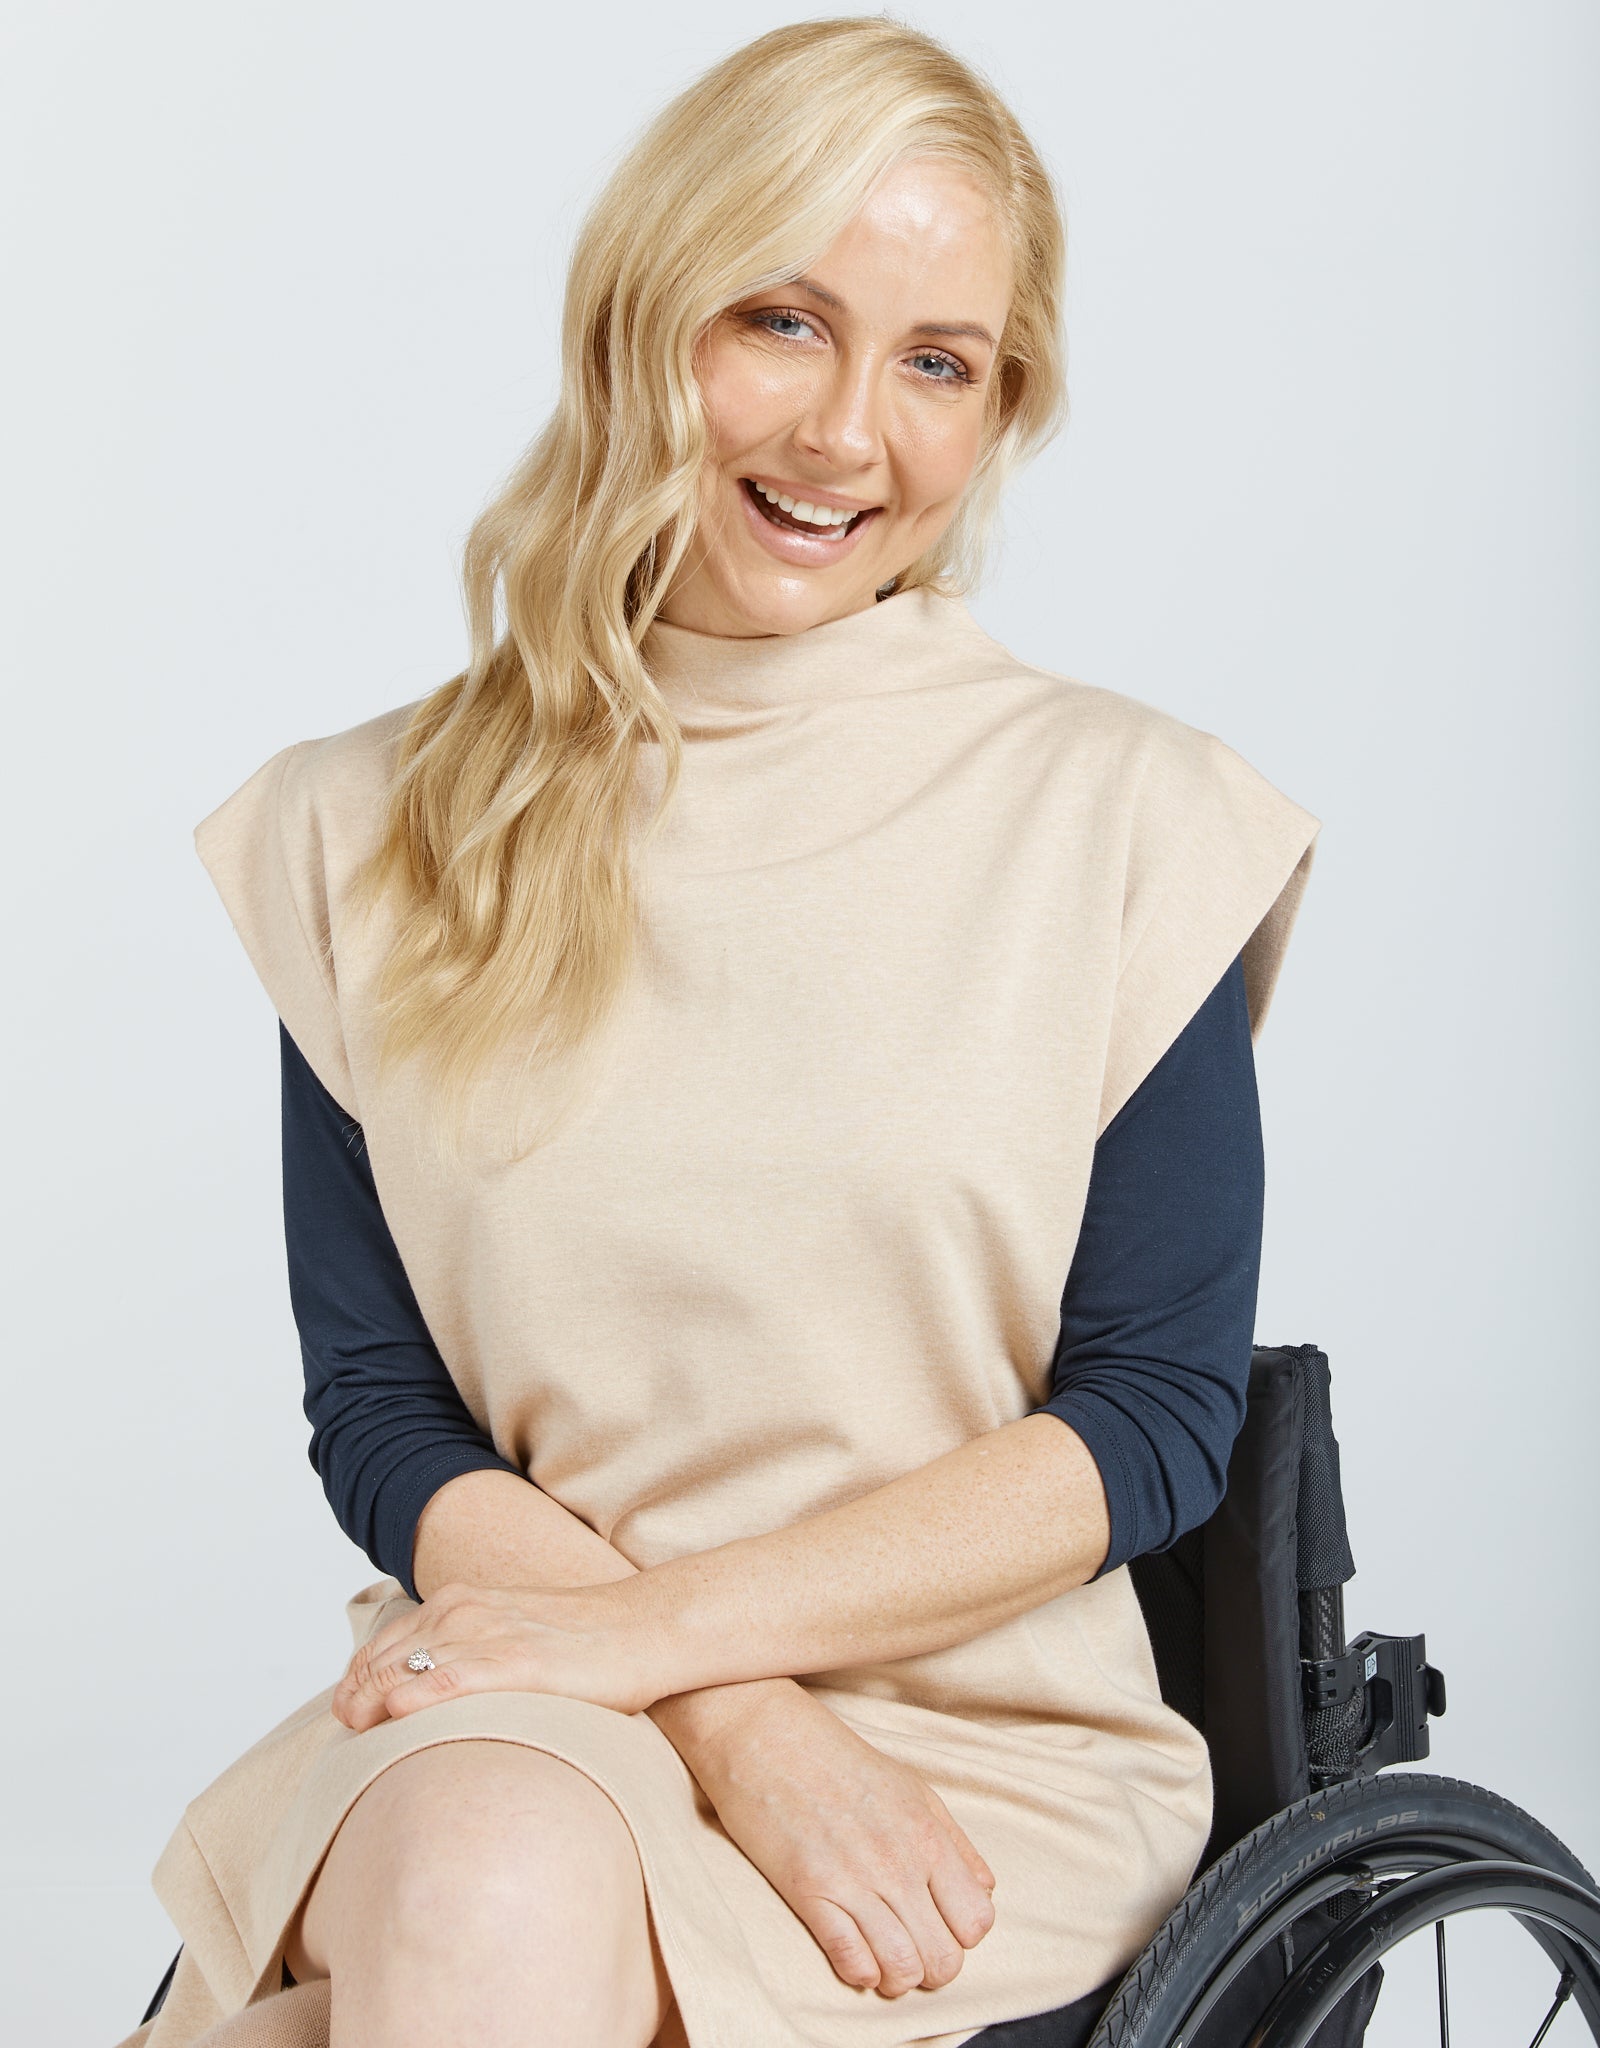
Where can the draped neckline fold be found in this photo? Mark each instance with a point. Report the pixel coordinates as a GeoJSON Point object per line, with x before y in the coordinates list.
{"type": "Point", "coordinates": [892, 644]}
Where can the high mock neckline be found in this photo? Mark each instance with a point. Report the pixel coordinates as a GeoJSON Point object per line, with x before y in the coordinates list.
{"type": "Point", "coordinates": [886, 646]}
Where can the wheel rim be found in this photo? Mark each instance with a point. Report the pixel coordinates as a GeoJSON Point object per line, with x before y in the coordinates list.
{"type": "Point", "coordinates": [1372, 1869]}
{"type": "Point", "coordinates": [1568, 1913]}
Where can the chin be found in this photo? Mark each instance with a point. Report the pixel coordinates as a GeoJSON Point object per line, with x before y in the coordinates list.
{"type": "Point", "coordinates": [789, 604]}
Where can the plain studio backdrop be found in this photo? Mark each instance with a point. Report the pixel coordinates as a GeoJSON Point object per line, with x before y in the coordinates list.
{"type": "Point", "coordinates": [285, 293]}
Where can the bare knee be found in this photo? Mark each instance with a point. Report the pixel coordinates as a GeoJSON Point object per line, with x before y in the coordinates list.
{"type": "Point", "coordinates": [481, 1850]}
{"type": "Point", "coordinates": [462, 1849]}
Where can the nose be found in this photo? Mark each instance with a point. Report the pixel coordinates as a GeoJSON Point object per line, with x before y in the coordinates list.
{"type": "Point", "coordinates": [843, 425]}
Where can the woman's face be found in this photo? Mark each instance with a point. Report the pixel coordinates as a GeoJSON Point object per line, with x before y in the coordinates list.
{"type": "Point", "coordinates": [859, 390]}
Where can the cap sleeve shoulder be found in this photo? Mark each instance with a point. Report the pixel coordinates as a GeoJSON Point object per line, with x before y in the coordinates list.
{"type": "Point", "coordinates": [1217, 864]}
{"type": "Point", "coordinates": [264, 850]}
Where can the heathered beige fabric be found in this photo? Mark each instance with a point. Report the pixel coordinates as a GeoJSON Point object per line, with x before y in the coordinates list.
{"type": "Point", "coordinates": [922, 918]}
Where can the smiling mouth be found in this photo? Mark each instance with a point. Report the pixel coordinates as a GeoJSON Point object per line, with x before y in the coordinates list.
{"type": "Point", "coordinates": [776, 516]}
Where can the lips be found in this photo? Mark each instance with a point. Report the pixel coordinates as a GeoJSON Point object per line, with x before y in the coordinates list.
{"type": "Point", "coordinates": [796, 544]}
{"type": "Point", "coordinates": [776, 516]}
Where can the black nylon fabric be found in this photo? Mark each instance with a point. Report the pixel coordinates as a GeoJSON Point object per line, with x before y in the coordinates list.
{"type": "Point", "coordinates": [1254, 1724]}
{"type": "Point", "coordinates": [1233, 2018]}
{"type": "Point", "coordinates": [1171, 1585]}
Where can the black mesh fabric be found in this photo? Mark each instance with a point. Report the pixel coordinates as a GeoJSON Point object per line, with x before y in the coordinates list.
{"type": "Point", "coordinates": [1323, 1541]}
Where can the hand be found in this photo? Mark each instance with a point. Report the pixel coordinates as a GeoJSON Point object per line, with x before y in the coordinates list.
{"type": "Point", "coordinates": [861, 1847]}
{"type": "Point", "coordinates": [596, 1643]}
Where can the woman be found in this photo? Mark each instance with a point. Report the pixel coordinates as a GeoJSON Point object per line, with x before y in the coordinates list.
{"type": "Point", "coordinates": [714, 1027]}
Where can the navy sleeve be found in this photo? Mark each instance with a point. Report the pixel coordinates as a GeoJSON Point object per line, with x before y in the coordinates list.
{"type": "Point", "coordinates": [1158, 1316]}
{"type": "Point", "coordinates": [388, 1426]}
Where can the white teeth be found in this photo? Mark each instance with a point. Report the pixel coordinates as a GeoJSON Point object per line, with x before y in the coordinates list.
{"type": "Point", "coordinates": [813, 515]}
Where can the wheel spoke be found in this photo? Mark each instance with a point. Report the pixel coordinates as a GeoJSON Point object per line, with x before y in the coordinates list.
{"type": "Point", "coordinates": [1444, 1985]}
{"type": "Point", "coordinates": [1563, 1993]}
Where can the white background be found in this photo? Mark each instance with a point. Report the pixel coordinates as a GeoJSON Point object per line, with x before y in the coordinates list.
{"type": "Point", "coordinates": [285, 286]}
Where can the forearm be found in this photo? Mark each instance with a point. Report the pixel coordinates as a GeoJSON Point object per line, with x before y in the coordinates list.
{"type": "Point", "coordinates": [490, 1528]}
{"type": "Point", "coordinates": [938, 1555]}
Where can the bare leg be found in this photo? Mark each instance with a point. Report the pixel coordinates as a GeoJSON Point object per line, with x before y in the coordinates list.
{"type": "Point", "coordinates": [472, 1884]}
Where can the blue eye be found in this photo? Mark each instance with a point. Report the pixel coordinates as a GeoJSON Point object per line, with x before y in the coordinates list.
{"type": "Point", "coordinates": [951, 369]}
{"type": "Point", "coordinates": [794, 319]}
{"type": "Point", "coordinates": [960, 374]}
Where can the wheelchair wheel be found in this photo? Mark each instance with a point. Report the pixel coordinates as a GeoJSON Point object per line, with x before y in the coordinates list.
{"type": "Point", "coordinates": [1275, 1945]}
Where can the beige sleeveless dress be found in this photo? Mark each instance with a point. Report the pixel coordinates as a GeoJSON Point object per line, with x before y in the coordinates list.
{"type": "Point", "coordinates": [921, 919]}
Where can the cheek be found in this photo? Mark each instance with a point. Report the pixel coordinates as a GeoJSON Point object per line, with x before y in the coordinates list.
{"type": "Point", "coordinates": [938, 457]}
{"type": "Point", "coordinates": [748, 397]}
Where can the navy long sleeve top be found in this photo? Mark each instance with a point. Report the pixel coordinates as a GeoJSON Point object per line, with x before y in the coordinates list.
{"type": "Point", "coordinates": [1150, 1367]}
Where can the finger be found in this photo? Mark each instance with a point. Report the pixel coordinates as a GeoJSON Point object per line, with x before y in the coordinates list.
{"type": "Point", "coordinates": [411, 1627]}
{"type": "Point", "coordinates": [356, 1684]}
{"type": "Point", "coordinates": [442, 1613]}
{"type": "Point", "coordinates": [963, 1841]}
{"type": "Point", "coordinates": [902, 1964]}
{"type": "Point", "coordinates": [361, 1699]}
{"type": "Point", "coordinates": [451, 1678]}
{"type": "Point", "coordinates": [964, 1904]}
{"type": "Point", "coordinates": [841, 1941]}
{"type": "Point", "coordinates": [939, 1954]}
{"type": "Point", "coordinates": [449, 1614]}
{"type": "Point", "coordinates": [420, 1625]}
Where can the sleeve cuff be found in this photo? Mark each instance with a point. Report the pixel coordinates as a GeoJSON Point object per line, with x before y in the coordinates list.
{"type": "Point", "coordinates": [1101, 1425]}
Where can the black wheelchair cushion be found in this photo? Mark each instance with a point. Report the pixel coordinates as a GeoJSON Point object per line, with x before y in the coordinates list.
{"type": "Point", "coordinates": [1069, 2026]}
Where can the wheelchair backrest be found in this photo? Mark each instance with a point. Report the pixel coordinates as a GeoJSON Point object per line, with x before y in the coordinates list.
{"type": "Point", "coordinates": [1230, 1605]}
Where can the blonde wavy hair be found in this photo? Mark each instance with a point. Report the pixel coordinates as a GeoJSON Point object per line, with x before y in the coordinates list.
{"type": "Point", "coordinates": [510, 829]}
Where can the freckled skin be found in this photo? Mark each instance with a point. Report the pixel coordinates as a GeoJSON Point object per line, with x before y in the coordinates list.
{"type": "Point", "coordinates": [849, 398]}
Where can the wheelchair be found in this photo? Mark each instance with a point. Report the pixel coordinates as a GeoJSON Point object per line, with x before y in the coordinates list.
{"type": "Point", "coordinates": [1316, 1866]}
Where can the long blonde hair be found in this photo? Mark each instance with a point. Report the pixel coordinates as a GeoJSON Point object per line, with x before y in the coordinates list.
{"type": "Point", "coordinates": [510, 826]}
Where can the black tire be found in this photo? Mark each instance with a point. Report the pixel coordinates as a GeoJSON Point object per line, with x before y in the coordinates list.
{"type": "Point", "coordinates": [1296, 1875]}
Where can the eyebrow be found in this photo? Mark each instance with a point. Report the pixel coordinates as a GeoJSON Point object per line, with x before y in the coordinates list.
{"type": "Point", "coordinates": [956, 327]}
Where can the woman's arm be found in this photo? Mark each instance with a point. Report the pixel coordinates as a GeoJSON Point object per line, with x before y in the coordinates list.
{"type": "Point", "coordinates": [934, 1557]}
{"type": "Point", "coordinates": [410, 1477]}
{"type": "Point", "coordinates": [1150, 1373]}
{"type": "Point", "coordinates": [1131, 1449]}
{"type": "Point", "coordinates": [499, 1529]}
{"type": "Point", "coordinates": [819, 1810]}
{"type": "Point", "coordinates": [1152, 1363]}
{"type": "Point", "coordinates": [388, 1426]}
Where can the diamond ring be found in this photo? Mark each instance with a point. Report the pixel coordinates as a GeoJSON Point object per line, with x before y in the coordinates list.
{"type": "Point", "coordinates": [419, 1660]}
